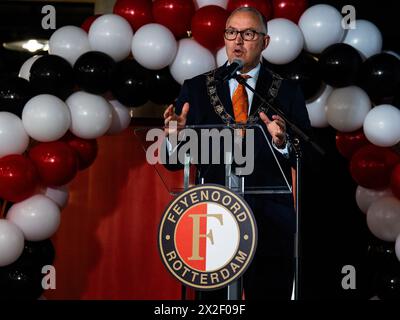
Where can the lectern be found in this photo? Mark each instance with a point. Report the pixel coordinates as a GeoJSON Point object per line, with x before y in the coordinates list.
{"type": "Point", "coordinates": [239, 157]}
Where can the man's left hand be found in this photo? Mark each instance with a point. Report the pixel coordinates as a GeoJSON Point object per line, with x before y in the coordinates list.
{"type": "Point", "coordinates": [276, 127]}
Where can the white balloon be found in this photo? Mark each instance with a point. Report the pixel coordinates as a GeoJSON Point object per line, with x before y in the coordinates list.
{"type": "Point", "coordinates": [38, 217]}
{"type": "Point", "coordinates": [154, 46]}
{"type": "Point", "coordinates": [321, 25]}
{"type": "Point", "coordinates": [46, 118]}
{"type": "Point", "coordinates": [382, 125]}
{"type": "Point", "coordinates": [111, 34]}
{"type": "Point", "coordinates": [222, 57]}
{"type": "Point", "coordinates": [203, 3]}
{"type": "Point", "coordinates": [397, 247]}
{"type": "Point", "coordinates": [383, 218]}
{"type": "Point", "coordinates": [366, 38]}
{"type": "Point", "coordinates": [91, 115]}
{"type": "Point", "coordinates": [13, 137]}
{"type": "Point", "coordinates": [11, 242]}
{"type": "Point", "coordinates": [286, 41]}
{"type": "Point", "coordinates": [69, 42]}
{"type": "Point", "coordinates": [59, 195]}
{"type": "Point", "coordinates": [191, 60]}
{"type": "Point", "coordinates": [347, 108]}
{"type": "Point", "coordinates": [121, 117]}
{"type": "Point", "coordinates": [25, 70]}
{"type": "Point", "coordinates": [317, 108]}
{"type": "Point", "coordinates": [365, 197]}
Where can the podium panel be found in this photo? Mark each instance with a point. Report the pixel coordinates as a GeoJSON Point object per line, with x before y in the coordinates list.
{"type": "Point", "coordinates": [239, 157]}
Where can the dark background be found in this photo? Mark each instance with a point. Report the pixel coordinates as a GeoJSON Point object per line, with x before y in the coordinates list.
{"type": "Point", "coordinates": [21, 20]}
{"type": "Point", "coordinates": [334, 231]}
{"type": "Point", "coordinates": [384, 14]}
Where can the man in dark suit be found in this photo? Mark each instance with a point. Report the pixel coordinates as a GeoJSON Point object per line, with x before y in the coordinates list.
{"type": "Point", "coordinates": [271, 274]}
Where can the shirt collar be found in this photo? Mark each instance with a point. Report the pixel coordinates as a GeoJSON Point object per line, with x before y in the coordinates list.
{"type": "Point", "coordinates": [253, 73]}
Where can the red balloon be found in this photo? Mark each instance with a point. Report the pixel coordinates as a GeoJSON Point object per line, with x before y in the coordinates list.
{"type": "Point", "coordinates": [289, 9]}
{"type": "Point", "coordinates": [395, 181]}
{"type": "Point", "coordinates": [86, 149]}
{"type": "Point", "coordinates": [57, 162]}
{"type": "Point", "coordinates": [264, 6]}
{"type": "Point", "coordinates": [371, 166]}
{"type": "Point", "coordinates": [88, 22]}
{"type": "Point", "coordinates": [136, 12]}
{"type": "Point", "coordinates": [348, 143]}
{"type": "Point", "coordinates": [176, 15]}
{"type": "Point", "coordinates": [18, 178]}
{"type": "Point", "coordinates": [208, 25]}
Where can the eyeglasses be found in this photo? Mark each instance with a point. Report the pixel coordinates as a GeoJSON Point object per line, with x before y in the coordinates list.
{"type": "Point", "coordinates": [247, 35]}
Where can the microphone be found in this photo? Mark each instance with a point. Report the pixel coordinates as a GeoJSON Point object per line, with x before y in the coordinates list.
{"type": "Point", "coordinates": [231, 70]}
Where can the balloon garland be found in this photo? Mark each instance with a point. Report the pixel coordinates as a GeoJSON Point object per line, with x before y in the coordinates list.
{"type": "Point", "coordinates": [53, 112]}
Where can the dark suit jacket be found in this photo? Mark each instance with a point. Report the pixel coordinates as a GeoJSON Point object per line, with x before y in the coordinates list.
{"type": "Point", "coordinates": [274, 213]}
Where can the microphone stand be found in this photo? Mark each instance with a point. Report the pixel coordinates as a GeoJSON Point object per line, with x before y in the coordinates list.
{"type": "Point", "coordinates": [296, 130]}
{"type": "Point", "coordinates": [297, 149]}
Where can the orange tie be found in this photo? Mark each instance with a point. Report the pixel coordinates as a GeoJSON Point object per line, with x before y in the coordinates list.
{"type": "Point", "coordinates": [240, 102]}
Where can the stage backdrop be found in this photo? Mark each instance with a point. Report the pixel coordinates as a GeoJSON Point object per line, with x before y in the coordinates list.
{"type": "Point", "coordinates": [106, 247]}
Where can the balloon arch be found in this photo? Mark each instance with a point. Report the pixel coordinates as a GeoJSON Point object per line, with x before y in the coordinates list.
{"type": "Point", "coordinates": [51, 115]}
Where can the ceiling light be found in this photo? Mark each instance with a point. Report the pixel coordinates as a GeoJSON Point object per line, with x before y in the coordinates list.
{"type": "Point", "coordinates": [31, 45]}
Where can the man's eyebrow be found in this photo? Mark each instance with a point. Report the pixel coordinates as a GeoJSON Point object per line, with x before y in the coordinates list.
{"type": "Point", "coordinates": [249, 28]}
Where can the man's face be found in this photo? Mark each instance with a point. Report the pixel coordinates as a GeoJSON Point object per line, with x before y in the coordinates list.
{"type": "Point", "coordinates": [247, 51]}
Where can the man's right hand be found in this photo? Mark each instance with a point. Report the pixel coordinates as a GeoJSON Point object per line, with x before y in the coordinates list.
{"type": "Point", "coordinates": [170, 115]}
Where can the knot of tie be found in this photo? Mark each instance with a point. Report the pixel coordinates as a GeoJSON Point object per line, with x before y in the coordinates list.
{"type": "Point", "coordinates": [245, 76]}
{"type": "Point", "coordinates": [240, 102]}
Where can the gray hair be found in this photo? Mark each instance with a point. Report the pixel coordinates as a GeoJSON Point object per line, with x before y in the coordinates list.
{"type": "Point", "coordinates": [261, 17]}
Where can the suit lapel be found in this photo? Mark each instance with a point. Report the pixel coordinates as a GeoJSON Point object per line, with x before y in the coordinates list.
{"type": "Point", "coordinates": [225, 97]}
{"type": "Point", "coordinates": [263, 83]}
{"type": "Point", "coordinates": [224, 93]}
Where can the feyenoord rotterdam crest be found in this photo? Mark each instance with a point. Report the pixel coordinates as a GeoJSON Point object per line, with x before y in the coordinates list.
{"type": "Point", "coordinates": [207, 237]}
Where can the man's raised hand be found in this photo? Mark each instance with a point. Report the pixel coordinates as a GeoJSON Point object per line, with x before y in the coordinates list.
{"type": "Point", "coordinates": [276, 127]}
{"type": "Point", "coordinates": [170, 116]}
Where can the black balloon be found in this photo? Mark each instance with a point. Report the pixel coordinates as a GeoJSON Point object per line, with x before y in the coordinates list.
{"type": "Point", "coordinates": [162, 87]}
{"type": "Point", "coordinates": [23, 278]}
{"type": "Point", "coordinates": [93, 71]}
{"type": "Point", "coordinates": [384, 269]}
{"type": "Point", "coordinates": [304, 70]}
{"type": "Point", "coordinates": [387, 283]}
{"type": "Point", "coordinates": [381, 252]}
{"type": "Point", "coordinates": [38, 253]}
{"type": "Point", "coordinates": [128, 83]}
{"type": "Point", "coordinates": [339, 65]}
{"type": "Point", "coordinates": [19, 282]}
{"type": "Point", "coordinates": [52, 74]}
{"type": "Point", "coordinates": [14, 93]}
{"type": "Point", "coordinates": [379, 76]}
{"type": "Point", "coordinates": [396, 99]}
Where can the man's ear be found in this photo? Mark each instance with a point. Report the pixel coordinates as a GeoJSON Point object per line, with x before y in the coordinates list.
{"type": "Point", "coordinates": [266, 41]}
